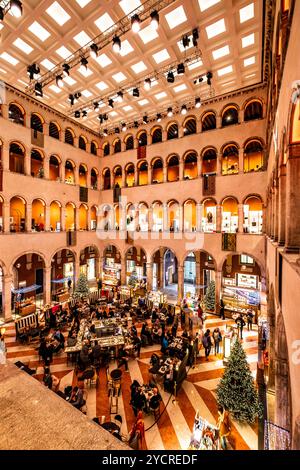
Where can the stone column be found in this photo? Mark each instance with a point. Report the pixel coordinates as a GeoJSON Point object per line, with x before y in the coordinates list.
{"type": "Point", "coordinates": [47, 284]}
{"type": "Point", "coordinates": [46, 166]}
{"type": "Point", "coordinates": [198, 271]}
{"type": "Point", "coordinates": [276, 212]}
{"type": "Point", "coordinates": [218, 290]}
{"type": "Point", "coordinates": [149, 174]}
{"type": "Point", "coordinates": [63, 218]}
{"type": "Point", "coordinates": [219, 122]}
{"type": "Point", "coordinates": [27, 163]}
{"type": "Point", "coordinates": [7, 284]}
{"type": "Point", "coordinates": [149, 270]}
{"type": "Point", "coordinates": [89, 218]}
{"type": "Point", "coordinates": [240, 217]}
{"type": "Point", "coordinates": [123, 178]}
{"type": "Point", "coordinates": [241, 161]}
{"type": "Point", "coordinates": [123, 271]}
{"type": "Point", "coordinates": [28, 217]}
{"type": "Point", "coordinates": [5, 156]}
{"type": "Point", "coordinates": [292, 242]}
{"type": "Point", "coordinates": [181, 169]}
{"type": "Point", "coordinates": [198, 126]}
{"type": "Point", "coordinates": [199, 166]}
{"type": "Point", "coordinates": [76, 270]}
{"type": "Point", "coordinates": [199, 209]}
{"type": "Point", "coordinates": [218, 218]}
{"type": "Point", "coordinates": [166, 227]}
{"type": "Point", "coordinates": [150, 219]}
{"type": "Point", "coordinates": [219, 164]}
{"type": "Point", "coordinates": [62, 172]}
{"type": "Point", "coordinates": [165, 172]}
{"type": "Point", "coordinates": [281, 205]}
{"type": "Point", "coordinates": [47, 219]}
{"type": "Point", "coordinates": [6, 217]}
{"type": "Point", "coordinates": [180, 270]}
{"type": "Point", "coordinates": [241, 115]}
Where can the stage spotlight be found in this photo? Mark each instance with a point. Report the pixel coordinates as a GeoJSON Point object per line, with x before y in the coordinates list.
{"type": "Point", "coordinates": [116, 44]}
{"type": "Point", "coordinates": [135, 23]}
{"type": "Point", "coordinates": [170, 77]}
{"type": "Point", "coordinates": [94, 51]}
{"type": "Point", "coordinates": [154, 19]}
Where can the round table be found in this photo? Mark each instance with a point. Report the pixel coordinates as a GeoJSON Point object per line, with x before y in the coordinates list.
{"type": "Point", "coordinates": [116, 374]}
{"type": "Point", "coordinates": [110, 426]}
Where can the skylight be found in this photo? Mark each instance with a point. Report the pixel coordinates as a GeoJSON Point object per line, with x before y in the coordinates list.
{"type": "Point", "coordinates": [160, 96]}
{"type": "Point", "coordinates": [176, 17]}
{"type": "Point", "coordinates": [206, 4]}
{"type": "Point", "coordinates": [3, 71]}
{"type": "Point", "coordinates": [249, 61]}
{"type": "Point", "coordinates": [47, 64]}
{"type": "Point", "coordinates": [113, 113]}
{"type": "Point", "coordinates": [82, 38]}
{"type": "Point", "coordinates": [195, 65]}
{"type": "Point", "coordinates": [127, 108]}
{"type": "Point", "coordinates": [39, 31]}
{"type": "Point", "coordinates": [63, 52]}
{"type": "Point", "coordinates": [139, 67]}
{"type": "Point", "coordinates": [85, 72]}
{"type": "Point", "coordinates": [143, 102]}
{"type": "Point", "coordinates": [104, 22]}
{"type": "Point", "coordinates": [10, 59]}
{"type": "Point", "coordinates": [126, 48]}
{"type": "Point", "coordinates": [1, 26]}
{"type": "Point", "coordinates": [102, 86]}
{"type": "Point", "coordinates": [148, 34]}
{"type": "Point", "coordinates": [55, 88]}
{"type": "Point", "coordinates": [23, 46]}
{"type": "Point", "coordinates": [83, 3]}
{"type": "Point", "coordinates": [215, 29]}
{"type": "Point", "coordinates": [225, 70]}
{"type": "Point", "coordinates": [69, 80]}
{"type": "Point", "coordinates": [129, 5]}
{"type": "Point", "coordinates": [248, 40]}
{"type": "Point", "coordinates": [86, 93]}
{"type": "Point", "coordinates": [247, 12]}
{"type": "Point", "coordinates": [103, 60]}
{"type": "Point", "coordinates": [161, 56]}
{"type": "Point", "coordinates": [221, 52]}
{"type": "Point", "coordinates": [119, 77]}
{"type": "Point", "coordinates": [58, 14]}
{"type": "Point", "coordinates": [180, 88]}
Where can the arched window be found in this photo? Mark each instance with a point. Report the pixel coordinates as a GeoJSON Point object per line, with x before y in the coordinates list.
{"type": "Point", "coordinates": [36, 122]}
{"type": "Point", "coordinates": [230, 160]}
{"type": "Point", "coordinates": [190, 126]}
{"type": "Point", "coordinates": [173, 168]}
{"type": "Point", "coordinates": [157, 217]}
{"type": "Point", "coordinates": [53, 130]}
{"type": "Point", "coordinates": [83, 217]}
{"type": "Point", "coordinates": [55, 216]}
{"type": "Point", "coordinates": [70, 212]}
{"type": "Point", "coordinates": [94, 148]}
{"type": "Point", "coordinates": [106, 179]}
{"type": "Point", "coordinates": [142, 139]}
{"type": "Point", "coordinates": [129, 142]}
{"type": "Point", "coordinates": [16, 114]}
{"type": "Point", "coordinates": [209, 121]}
{"type": "Point", "coordinates": [94, 178]}
{"type": "Point", "coordinates": [190, 171]}
{"type": "Point", "coordinates": [142, 173]}
{"type": "Point", "coordinates": [157, 171]}
{"type": "Point", "coordinates": [69, 172]}
{"type": "Point", "coordinates": [129, 175]}
{"type": "Point", "coordinates": [117, 146]}
{"type": "Point", "coordinates": [253, 215]}
{"type": "Point", "coordinates": [118, 177]}
{"type": "Point", "coordinates": [253, 110]}
{"type": "Point", "coordinates": [54, 168]}
{"type": "Point", "coordinates": [106, 149]}
{"type": "Point", "coordinates": [82, 175]}
{"type": "Point", "coordinates": [69, 137]}
{"type": "Point", "coordinates": [190, 216]}
{"type": "Point", "coordinates": [172, 131]}
{"type": "Point", "coordinates": [230, 116]}
{"type": "Point", "coordinates": [230, 221]}
{"type": "Point", "coordinates": [36, 159]}
{"type": "Point", "coordinates": [209, 162]}
{"type": "Point", "coordinates": [38, 215]}
{"type": "Point", "coordinates": [16, 158]}
{"type": "Point", "coordinates": [82, 142]}
{"type": "Point", "coordinates": [209, 216]}
{"type": "Point", "coordinates": [253, 156]}
{"type": "Point", "coordinates": [18, 215]}
{"type": "Point", "coordinates": [156, 135]}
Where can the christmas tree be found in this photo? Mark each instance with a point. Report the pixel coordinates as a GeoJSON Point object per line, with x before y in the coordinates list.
{"type": "Point", "coordinates": [210, 296]}
{"type": "Point", "coordinates": [236, 391]}
{"type": "Point", "coordinates": [82, 287]}
{"type": "Point", "coordinates": [133, 279]}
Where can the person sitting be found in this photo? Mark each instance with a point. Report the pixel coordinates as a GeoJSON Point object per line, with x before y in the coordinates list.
{"type": "Point", "coordinates": [60, 338]}
{"type": "Point", "coordinates": [146, 334]}
{"type": "Point", "coordinates": [72, 338]}
{"type": "Point", "coordinates": [77, 399]}
{"type": "Point", "coordinates": [84, 357]}
{"type": "Point", "coordinates": [122, 359]}
{"type": "Point", "coordinates": [155, 400]}
{"type": "Point", "coordinates": [96, 352]}
{"type": "Point", "coordinates": [164, 344]}
{"type": "Point", "coordinates": [154, 316]}
{"type": "Point", "coordinates": [138, 401]}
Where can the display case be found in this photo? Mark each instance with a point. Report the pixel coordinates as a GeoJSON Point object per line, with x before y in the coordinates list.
{"type": "Point", "coordinates": [156, 297]}
{"type": "Point", "coordinates": [110, 275]}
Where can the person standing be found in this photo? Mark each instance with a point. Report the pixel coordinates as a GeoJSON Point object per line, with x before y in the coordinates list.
{"type": "Point", "coordinates": [250, 319]}
{"type": "Point", "coordinates": [217, 340]}
{"type": "Point", "coordinates": [222, 309]}
{"type": "Point", "coordinates": [2, 349]}
{"type": "Point", "coordinates": [99, 285]}
{"type": "Point", "coordinates": [240, 323]}
{"type": "Point", "coordinates": [207, 343]}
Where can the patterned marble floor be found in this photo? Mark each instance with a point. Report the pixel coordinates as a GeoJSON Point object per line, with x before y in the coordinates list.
{"type": "Point", "coordinates": [173, 430]}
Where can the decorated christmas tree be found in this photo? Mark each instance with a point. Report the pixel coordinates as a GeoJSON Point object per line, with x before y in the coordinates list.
{"type": "Point", "coordinates": [133, 279]}
{"type": "Point", "coordinates": [82, 287]}
{"type": "Point", "coordinates": [236, 390]}
{"type": "Point", "coordinates": [210, 296]}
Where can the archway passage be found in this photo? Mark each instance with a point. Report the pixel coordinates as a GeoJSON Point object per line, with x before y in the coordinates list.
{"type": "Point", "coordinates": [111, 269]}
{"type": "Point", "coordinates": [89, 264]}
{"type": "Point", "coordinates": [165, 272]}
{"type": "Point", "coordinates": [62, 275]}
{"type": "Point", "coordinates": [28, 284]}
{"type": "Point", "coordinates": [199, 273]}
{"type": "Point", "coordinates": [135, 260]}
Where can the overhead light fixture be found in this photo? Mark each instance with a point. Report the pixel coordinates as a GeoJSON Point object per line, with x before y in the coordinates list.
{"type": "Point", "coordinates": [198, 80]}
{"type": "Point", "coordinates": [185, 41]}
{"type": "Point", "coordinates": [135, 23]}
{"type": "Point", "coordinates": [145, 119]}
{"type": "Point", "coordinates": [158, 117]}
{"type": "Point", "coordinates": [209, 76]}
{"type": "Point", "coordinates": [77, 96]}
{"type": "Point", "coordinates": [154, 19]}
{"type": "Point", "coordinates": [59, 81]}
{"type": "Point", "coordinates": [1, 14]}
{"type": "Point", "coordinates": [77, 114]}
{"type": "Point", "coordinates": [116, 44]}
{"type": "Point", "coordinates": [66, 70]}
{"type": "Point", "coordinates": [197, 102]}
{"type": "Point", "coordinates": [84, 64]}
{"type": "Point", "coordinates": [195, 37]}
{"type": "Point", "coordinates": [84, 114]}
{"type": "Point", "coordinates": [96, 106]}
{"type": "Point", "coordinates": [105, 132]}
{"type": "Point", "coordinates": [136, 124]}
{"type": "Point", "coordinates": [180, 69]}
{"type": "Point", "coordinates": [170, 112]}
{"type": "Point", "coordinates": [124, 127]}
{"type": "Point", "coordinates": [111, 103]}
{"type": "Point", "coordinates": [117, 130]}
{"type": "Point", "coordinates": [38, 89]}
{"type": "Point", "coordinates": [71, 99]}
{"type": "Point", "coordinates": [101, 119]}
{"type": "Point", "coordinates": [170, 77]}
{"type": "Point", "coordinates": [16, 8]}
{"type": "Point", "coordinates": [183, 109]}
{"type": "Point", "coordinates": [120, 96]}
{"type": "Point", "coordinates": [94, 51]}
{"type": "Point", "coordinates": [147, 84]}
{"type": "Point", "coordinates": [105, 117]}
{"type": "Point", "coordinates": [33, 71]}
{"type": "Point", "coordinates": [135, 92]}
